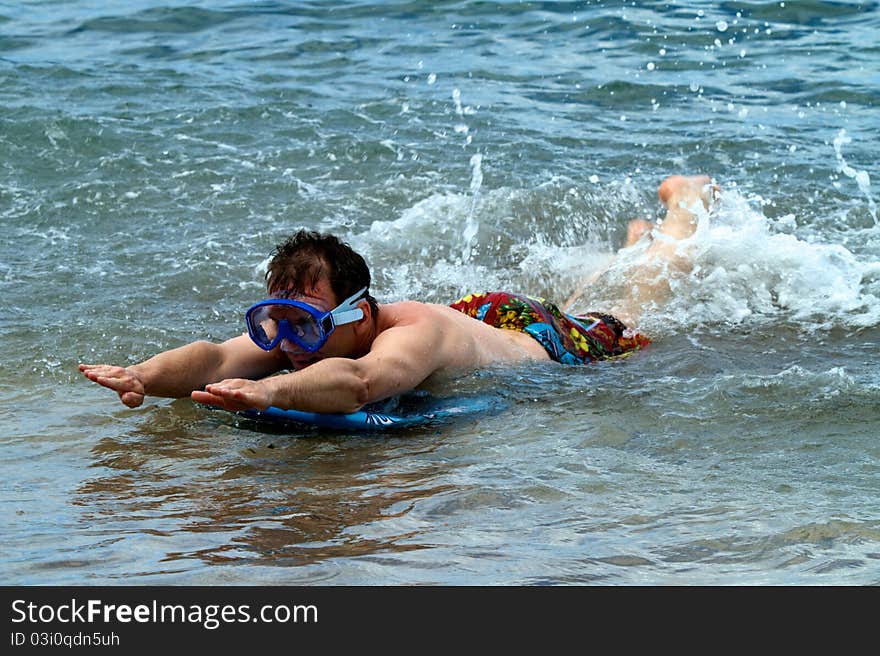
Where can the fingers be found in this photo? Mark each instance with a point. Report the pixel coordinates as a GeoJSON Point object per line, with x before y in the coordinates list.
{"type": "Point", "coordinates": [220, 401]}
{"type": "Point", "coordinates": [119, 379]}
{"type": "Point", "coordinates": [234, 394]}
{"type": "Point", "coordinates": [92, 371]}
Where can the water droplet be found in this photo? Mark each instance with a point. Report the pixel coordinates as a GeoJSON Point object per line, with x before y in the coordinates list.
{"type": "Point", "coordinates": [650, 66]}
{"type": "Point", "coordinates": [432, 78]}
{"type": "Point", "coordinates": [594, 178]}
{"type": "Point", "coordinates": [721, 26]}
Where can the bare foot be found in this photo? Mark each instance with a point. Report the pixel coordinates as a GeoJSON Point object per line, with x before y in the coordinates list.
{"type": "Point", "coordinates": [683, 187]}
{"type": "Point", "coordinates": [650, 273]}
{"type": "Point", "coordinates": [637, 229]}
{"type": "Point", "coordinates": [680, 194]}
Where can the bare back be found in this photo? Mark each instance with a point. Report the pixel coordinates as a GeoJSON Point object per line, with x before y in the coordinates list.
{"type": "Point", "coordinates": [463, 343]}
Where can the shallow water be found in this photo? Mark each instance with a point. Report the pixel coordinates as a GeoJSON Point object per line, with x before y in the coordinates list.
{"type": "Point", "coordinates": [151, 156]}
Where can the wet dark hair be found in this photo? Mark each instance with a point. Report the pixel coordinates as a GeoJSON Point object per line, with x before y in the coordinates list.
{"type": "Point", "coordinates": [301, 261]}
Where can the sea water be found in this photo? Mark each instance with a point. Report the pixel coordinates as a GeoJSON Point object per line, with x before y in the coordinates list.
{"type": "Point", "coordinates": [152, 153]}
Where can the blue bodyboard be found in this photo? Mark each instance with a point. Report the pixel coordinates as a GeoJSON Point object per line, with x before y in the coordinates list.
{"type": "Point", "coordinates": [401, 412]}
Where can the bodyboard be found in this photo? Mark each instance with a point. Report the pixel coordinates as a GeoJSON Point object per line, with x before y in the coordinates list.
{"type": "Point", "coordinates": [401, 412]}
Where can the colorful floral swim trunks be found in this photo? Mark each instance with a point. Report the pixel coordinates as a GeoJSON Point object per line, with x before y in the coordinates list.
{"type": "Point", "coordinates": [566, 338]}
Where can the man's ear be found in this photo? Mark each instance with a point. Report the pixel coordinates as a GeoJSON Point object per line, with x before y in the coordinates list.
{"type": "Point", "coordinates": [367, 309]}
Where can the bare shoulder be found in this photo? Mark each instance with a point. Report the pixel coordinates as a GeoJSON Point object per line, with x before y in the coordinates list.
{"type": "Point", "coordinates": [430, 325]}
{"type": "Point", "coordinates": [427, 337]}
{"type": "Point", "coordinates": [412, 313]}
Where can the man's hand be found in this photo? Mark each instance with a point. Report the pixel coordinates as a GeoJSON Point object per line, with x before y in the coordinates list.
{"type": "Point", "coordinates": [236, 394]}
{"type": "Point", "coordinates": [124, 381]}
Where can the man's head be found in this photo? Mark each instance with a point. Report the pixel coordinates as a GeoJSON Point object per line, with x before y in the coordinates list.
{"type": "Point", "coordinates": [303, 260]}
{"type": "Point", "coordinates": [311, 274]}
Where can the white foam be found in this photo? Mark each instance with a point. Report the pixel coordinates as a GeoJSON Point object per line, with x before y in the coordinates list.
{"type": "Point", "coordinates": [421, 254]}
{"type": "Point", "coordinates": [746, 269]}
{"type": "Point", "coordinates": [743, 271]}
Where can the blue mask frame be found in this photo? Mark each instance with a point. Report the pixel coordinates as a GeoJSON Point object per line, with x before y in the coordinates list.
{"type": "Point", "coordinates": [325, 322]}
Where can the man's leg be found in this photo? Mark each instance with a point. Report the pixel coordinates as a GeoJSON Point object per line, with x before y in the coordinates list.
{"type": "Point", "coordinates": [682, 196]}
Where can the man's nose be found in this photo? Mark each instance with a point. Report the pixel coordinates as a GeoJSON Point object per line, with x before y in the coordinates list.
{"type": "Point", "coordinates": [289, 347]}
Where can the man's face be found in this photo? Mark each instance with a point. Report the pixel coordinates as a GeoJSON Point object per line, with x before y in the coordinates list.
{"type": "Point", "coordinates": [338, 344]}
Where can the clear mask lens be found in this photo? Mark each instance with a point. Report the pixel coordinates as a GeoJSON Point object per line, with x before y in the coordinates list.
{"type": "Point", "coordinates": [273, 322]}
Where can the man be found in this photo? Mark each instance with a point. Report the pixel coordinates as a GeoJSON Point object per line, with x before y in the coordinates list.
{"type": "Point", "coordinates": [341, 350]}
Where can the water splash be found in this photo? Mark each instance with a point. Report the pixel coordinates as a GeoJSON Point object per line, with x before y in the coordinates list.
{"type": "Point", "coordinates": [744, 272]}
{"type": "Point", "coordinates": [862, 178]}
{"type": "Point", "coordinates": [472, 225]}
{"type": "Point", "coordinates": [456, 98]}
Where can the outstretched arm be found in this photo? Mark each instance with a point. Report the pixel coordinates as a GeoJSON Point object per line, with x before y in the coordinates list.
{"type": "Point", "coordinates": [176, 373]}
{"type": "Point", "coordinates": [399, 360]}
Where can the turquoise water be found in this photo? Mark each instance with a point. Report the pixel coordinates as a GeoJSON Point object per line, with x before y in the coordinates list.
{"type": "Point", "coordinates": [152, 154]}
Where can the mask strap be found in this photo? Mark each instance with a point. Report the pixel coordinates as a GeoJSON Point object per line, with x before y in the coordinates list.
{"type": "Point", "coordinates": [347, 311]}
